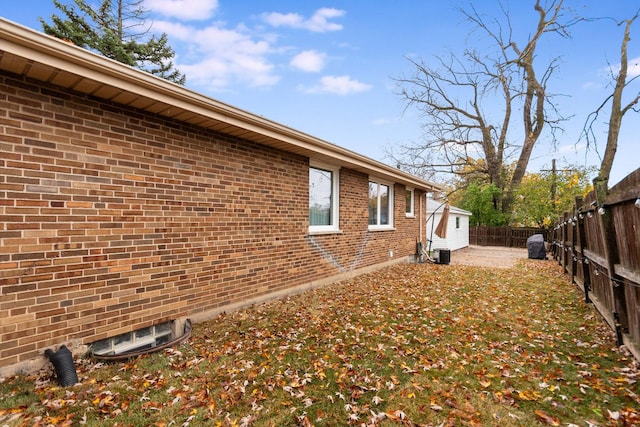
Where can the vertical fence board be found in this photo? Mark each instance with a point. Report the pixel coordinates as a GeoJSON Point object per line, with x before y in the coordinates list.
{"type": "Point", "coordinates": [510, 237]}
{"type": "Point", "coordinates": [632, 294]}
{"type": "Point", "coordinates": [601, 253]}
{"type": "Point", "coordinates": [626, 221]}
{"type": "Point", "coordinates": [595, 242]}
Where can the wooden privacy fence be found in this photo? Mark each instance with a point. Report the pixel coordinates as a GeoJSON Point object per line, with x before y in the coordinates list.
{"type": "Point", "coordinates": [510, 237]}
{"type": "Point", "coordinates": [599, 247]}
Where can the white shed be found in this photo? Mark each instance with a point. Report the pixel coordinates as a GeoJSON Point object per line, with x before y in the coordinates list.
{"type": "Point", "coordinates": [457, 236]}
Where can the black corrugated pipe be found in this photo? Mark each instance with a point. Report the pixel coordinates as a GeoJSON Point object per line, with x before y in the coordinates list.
{"type": "Point", "coordinates": [62, 361]}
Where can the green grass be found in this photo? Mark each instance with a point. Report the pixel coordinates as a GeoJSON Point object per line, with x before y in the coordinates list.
{"type": "Point", "coordinates": [406, 345]}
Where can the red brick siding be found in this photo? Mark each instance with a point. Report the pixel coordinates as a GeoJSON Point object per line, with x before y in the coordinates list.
{"type": "Point", "coordinates": [356, 246]}
{"type": "Point", "coordinates": [112, 219]}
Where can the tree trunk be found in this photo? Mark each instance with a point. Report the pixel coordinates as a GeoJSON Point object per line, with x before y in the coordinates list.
{"type": "Point", "coordinates": [617, 112]}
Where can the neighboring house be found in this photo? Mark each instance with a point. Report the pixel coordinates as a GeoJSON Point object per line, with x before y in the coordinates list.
{"type": "Point", "coordinates": [128, 202]}
{"type": "Point", "coordinates": [457, 236]}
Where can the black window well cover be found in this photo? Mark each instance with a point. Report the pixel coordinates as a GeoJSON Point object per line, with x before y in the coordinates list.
{"type": "Point", "coordinates": [535, 246]}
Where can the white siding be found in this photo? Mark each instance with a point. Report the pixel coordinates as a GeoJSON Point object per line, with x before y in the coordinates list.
{"type": "Point", "coordinates": [457, 238]}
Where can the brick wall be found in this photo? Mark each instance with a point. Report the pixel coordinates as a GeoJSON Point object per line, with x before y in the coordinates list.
{"type": "Point", "coordinates": [112, 219]}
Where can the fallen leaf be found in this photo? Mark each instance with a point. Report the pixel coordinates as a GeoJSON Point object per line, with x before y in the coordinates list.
{"type": "Point", "coordinates": [546, 418]}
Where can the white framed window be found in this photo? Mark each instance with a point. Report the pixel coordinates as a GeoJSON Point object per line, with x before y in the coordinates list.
{"type": "Point", "coordinates": [380, 205]}
{"type": "Point", "coordinates": [324, 189]}
{"type": "Point", "coordinates": [409, 210]}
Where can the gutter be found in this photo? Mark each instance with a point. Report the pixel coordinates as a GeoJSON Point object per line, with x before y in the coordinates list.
{"type": "Point", "coordinates": [94, 74]}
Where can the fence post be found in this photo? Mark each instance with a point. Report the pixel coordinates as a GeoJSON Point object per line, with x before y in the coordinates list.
{"type": "Point", "coordinates": [611, 253]}
{"type": "Point", "coordinates": [558, 239]}
{"type": "Point", "coordinates": [561, 242]}
{"type": "Point", "coordinates": [574, 242]}
{"type": "Point", "coordinates": [565, 246]}
{"type": "Point", "coordinates": [586, 273]}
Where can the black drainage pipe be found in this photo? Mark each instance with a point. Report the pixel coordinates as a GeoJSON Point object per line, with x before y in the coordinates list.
{"type": "Point", "coordinates": [63, 363]}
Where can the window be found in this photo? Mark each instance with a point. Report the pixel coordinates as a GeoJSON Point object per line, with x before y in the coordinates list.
{"type": "Point", "coordinates": [323, 199]}
{"type": "Point", "coordinates": [141, 339]}
{"type": "Point", "coordinates": [380, 205]}
{"type": "Point", "coordinates": [457, 222]}
{"type": "Point", "coordinates": [409, 203]}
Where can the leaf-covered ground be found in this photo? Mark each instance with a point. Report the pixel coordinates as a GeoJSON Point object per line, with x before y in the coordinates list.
{"type": "Point", "coordinates": [428, 345]}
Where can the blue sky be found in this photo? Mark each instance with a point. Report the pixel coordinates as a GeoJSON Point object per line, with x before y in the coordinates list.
{"type": "Point", "coordinates": [326, 67]}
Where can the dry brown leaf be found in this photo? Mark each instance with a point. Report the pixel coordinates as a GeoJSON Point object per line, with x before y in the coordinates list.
{"type": "Point", "coordinates": [546, 418]}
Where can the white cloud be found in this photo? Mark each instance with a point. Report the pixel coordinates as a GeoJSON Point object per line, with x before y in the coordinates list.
{"type": "Point", "coordinates": [217, 57]}
{"type": "Point", "coordinates": [183, 9]}
{"type": "Point", "coordinates": [341, 85]}
{"type": "Point", "coordinates": [591, 85]}
{"type": "Point", "coordinates": [383, 121]}
{"type": "Point", "coordinates": [309, 60]}
{"type": "Point", "coordinates": [318, 23]}
{"type": "Point", "coordinates": [276, 19]}
{"type": "Point", "coordinates": [634, 67]}
{"type": "Point", "coordinates": [606, 75]}
{"type": "Point", "coordinates": [173, 29]}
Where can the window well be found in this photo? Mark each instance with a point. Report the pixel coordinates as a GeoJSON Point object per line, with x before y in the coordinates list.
{"type": "Point", "coordinates": [144, 340]}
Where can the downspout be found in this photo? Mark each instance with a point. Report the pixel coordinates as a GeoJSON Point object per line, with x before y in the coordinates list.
{"type": "Point", "coordinates": [421, 215]}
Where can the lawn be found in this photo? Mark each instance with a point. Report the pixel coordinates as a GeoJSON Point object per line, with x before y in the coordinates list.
{"type": "Point", "coordinates": [414, 345]}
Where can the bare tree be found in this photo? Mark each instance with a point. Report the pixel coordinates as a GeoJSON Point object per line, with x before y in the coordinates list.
{"type": "Point", "coordinates": [618, 111]}
{"type": "Point", "coordinates": [468, 101]}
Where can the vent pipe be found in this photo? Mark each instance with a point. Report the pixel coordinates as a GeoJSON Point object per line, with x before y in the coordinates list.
{"type": "Point", "coordinates": [62, 361]}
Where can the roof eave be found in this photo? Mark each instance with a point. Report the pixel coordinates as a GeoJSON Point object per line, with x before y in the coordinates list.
{"type": "Point", "coordinates": [49, 59]}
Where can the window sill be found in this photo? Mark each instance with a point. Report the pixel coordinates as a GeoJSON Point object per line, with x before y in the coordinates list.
{"type": "Point", "coordinates": [410, 216]}
{"type": "Point", "coordinates": [323, 232]}
{"type": "Point", "coordinates": [381, 228]}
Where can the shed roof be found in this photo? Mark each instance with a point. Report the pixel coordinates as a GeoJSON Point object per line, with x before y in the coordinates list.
{"type": "Point", "coordinates": [435, 205]}
{"type": "Point", "coordinates": [27, 52]}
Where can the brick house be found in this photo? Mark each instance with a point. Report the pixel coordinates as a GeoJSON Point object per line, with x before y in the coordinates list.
{"type": "Point", "coordinates": [127, 201]}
